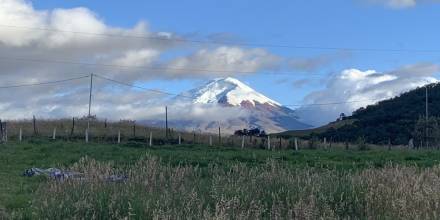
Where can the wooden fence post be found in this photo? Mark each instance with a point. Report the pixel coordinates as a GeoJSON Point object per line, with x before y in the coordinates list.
{"type": "Point", "coordinates": [151, 139]}
{"type": "Point", "coordinates": [296, 144]}
{"type": "Point", "coordinates": [119, 136]}
{"type": "Point", "coordinates": [34, 122]}
{"type": "Point", "coordinates": [54, 134]}
{"type": "Point", "coordinates": [194, 137]}
{"type": "Point", "coordinates": [20, 133]}
{"type": "Point", "coordinates": [6, 133]}
{"type": "Point", "coordinates": [180, 139]}
{"type": "Point", "coordinates": [134, 130]}
{"type": "Point", "coordinates": [1, 131]}
{"type": "Point", "coordinates": [242, 141]}
{"type": "Point", "coordinates": [87, 135]}
{"type": "Point", "coordinates": [268, 142]}
{"type": "Point", "coordinates": [73, 126]}
{"type": "Point", "coordinates": [210, 140]}
{"type": "Point", "coordinates": [219, 136]}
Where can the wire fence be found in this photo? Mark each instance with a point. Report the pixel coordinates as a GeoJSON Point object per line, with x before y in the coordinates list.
{"type": "Point", "coordinates": [125, 131]}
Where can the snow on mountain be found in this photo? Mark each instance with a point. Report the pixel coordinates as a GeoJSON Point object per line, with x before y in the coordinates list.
{"type": "Point", "coordinates": [228, 91]}
{"type": "Point", "coordinates": [261, 111]}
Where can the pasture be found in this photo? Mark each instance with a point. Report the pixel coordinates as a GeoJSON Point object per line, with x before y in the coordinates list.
{"type": "Point", "coordinates": [213, 182]}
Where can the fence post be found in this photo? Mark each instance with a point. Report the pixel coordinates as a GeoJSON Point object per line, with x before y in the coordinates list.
{"type": "Point", "coordinates": [268, 142]}
{"type": "Point", "coordinates": [73, 126]}
{"type": "Point", "coordinates": [87, 135]}
{"type": "Point", "coordinates": [1, 131]}
{"type": "Point", "coordinates": [6, 133]}
{"type": "Point", "coordinates": [151, 139]}
{"type": "Point", "coordinates": [180, 139]}
{"type": "Point", "coordinates": [194, 137]}
{"type": "Point", "coordinates": [325, 143]}
{"type": "Point", "coordinates": [210, 140]}
{"type": "Point", "coordinates": [119, 136]}
{"type": "Point", "coordinates": [54, 134]}
{"type": "Point", "coordinates": [219, 136]}
{"type": "Point", "coordinates": [134, 130]}
{"type": "Point", "coordinates": [34, 122]}
{"type": "Point", "coordinates": [296, 144]}
{"type": "Point", "coordinates": [20, 133]}
{"type": "Point", "coordinates": [242, 141]}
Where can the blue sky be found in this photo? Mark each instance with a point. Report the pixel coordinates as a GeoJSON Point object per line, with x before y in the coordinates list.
{"type": "Point", "coordinates": [339, 23]}
{"type": "Point", "coordinates": [282, 50]}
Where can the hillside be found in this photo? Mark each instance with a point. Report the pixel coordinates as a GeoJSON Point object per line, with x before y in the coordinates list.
{"type": "Point", "coordinates": [392, 119]}
{"type": "Point", "coordinates": [308, 132]}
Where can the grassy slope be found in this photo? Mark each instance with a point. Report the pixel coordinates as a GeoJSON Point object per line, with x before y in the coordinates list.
{"type": "Point", "coordinates": [304, 133]}
{"type": "Point", "coordinates": [16, 191]}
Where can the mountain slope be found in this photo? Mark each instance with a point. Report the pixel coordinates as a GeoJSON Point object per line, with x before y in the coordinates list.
{"type": "Point", "coordinates": [261, 111]}
{"type": "Point", "coordinates": [228, 91]}
{"type": "Point", "coordinates": [392, 119]}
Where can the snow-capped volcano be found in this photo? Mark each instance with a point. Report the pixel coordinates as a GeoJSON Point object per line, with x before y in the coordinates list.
{"type": "Point", "coordinates": [228, 91]}
{"type": "Point", "coordinates": [225, 94]}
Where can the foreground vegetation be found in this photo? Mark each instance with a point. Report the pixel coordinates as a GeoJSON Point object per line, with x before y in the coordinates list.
{"type": "Point", "coordinates": [157, 191]}
{"type": "Point", "coordinates": [218, 182]}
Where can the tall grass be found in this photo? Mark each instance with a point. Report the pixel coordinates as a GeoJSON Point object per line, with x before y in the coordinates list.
{"type": "Point", "coordinates": [155, 190]}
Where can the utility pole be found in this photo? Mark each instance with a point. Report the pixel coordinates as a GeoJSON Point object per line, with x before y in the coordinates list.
{"type": "Point", "coordinates": [426, 115]}
{"type": "Point", "coordinates": [166, 122]}
{"type": "Point", "coordinates": [219, 135]}
{"type": "Point", "coordinates": [90, 101]}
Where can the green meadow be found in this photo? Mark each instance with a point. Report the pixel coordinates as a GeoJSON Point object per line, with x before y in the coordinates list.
{"type": "Point", "coordinates": [220, 182]}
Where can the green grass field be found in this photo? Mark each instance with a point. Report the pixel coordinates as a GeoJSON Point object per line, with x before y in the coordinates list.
{"type": "Point", "coordinates": [18, 193]}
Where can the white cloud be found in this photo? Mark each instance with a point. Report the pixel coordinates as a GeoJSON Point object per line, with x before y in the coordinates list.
{"type": "Point", "coordinates": [84, 21]}
{"type": "Point", "coordinates": [79, 35]}
{"type": "Point", "coordinates": [361, 88]}
{"type": "Point", "coordinates": [19, 13]}
{"type": "Point", "coordinates": [137, 58]}
{"type": "Point", "coordinates": [223, 61]}
{"type": "Point", "coordinates": [398, 4]}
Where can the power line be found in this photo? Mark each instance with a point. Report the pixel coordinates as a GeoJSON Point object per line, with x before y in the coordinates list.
{"type": "Point", "coordinates": [140, 87]}
{"type": "Point", "coordinates": [43, 83]}
{"type": "Point", "coordinates": [333, 103]}
{"type": "Point", "coordinates": [162, 92]}
{"type": "Point", "coordinates": [148, 67]}
{"type": "Point", "coordinates": [174, 94]}
{"type": "Point", "coordinates": [227, 42]}
{"type": "Point", "coordinates": [180, 95]}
